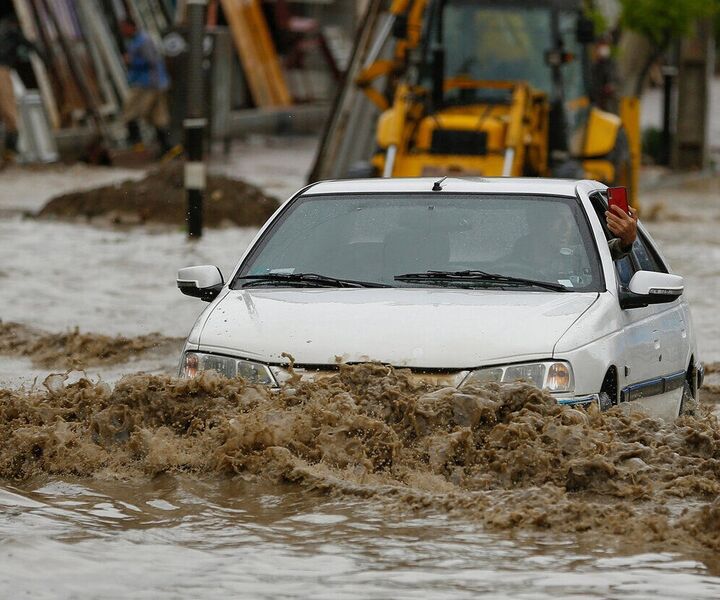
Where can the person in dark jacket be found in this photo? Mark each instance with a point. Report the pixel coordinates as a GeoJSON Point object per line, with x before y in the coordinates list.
{"type": "Point", "coordinates": [14, 48]}
{"type": "Point", "coordinates": [148, 80]}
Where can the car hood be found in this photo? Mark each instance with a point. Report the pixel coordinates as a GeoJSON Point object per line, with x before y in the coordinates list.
{"type": "Point", "coordinates": [421, 328]}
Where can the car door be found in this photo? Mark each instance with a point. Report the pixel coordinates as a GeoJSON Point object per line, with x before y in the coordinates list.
{"type": "Point", "coordinates": [654, 346]}
{"type": "Point", "coordinates": [673, 330]}
{"type": "Point", "coordinates": [642, 344]}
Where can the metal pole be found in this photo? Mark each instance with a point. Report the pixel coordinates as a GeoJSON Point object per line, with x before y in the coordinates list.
{"type": "Point", "coordinates": [195, 120]}
{"type": "Point", "coordinates": [669, 74]}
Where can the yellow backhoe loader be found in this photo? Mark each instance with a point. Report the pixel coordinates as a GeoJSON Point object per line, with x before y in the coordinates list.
{"type": "Point", "coordinates": [476, 88]}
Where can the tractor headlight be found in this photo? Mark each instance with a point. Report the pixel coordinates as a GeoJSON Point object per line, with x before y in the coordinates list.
{"type": "Point", "coordinates": [550, 375]}
{"type": "Point", "coordinates": [194, 362]}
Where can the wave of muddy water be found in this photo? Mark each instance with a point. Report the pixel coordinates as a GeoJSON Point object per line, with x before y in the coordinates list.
{"type": "Point", "coordinates": [366, 484]}
{"type": "Point", "coordinates": [73, 349]}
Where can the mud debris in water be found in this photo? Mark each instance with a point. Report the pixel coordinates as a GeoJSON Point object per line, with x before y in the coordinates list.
{"type": "Point", "coordinates": [710, 391]}
{"type": "Point", "coordinates": [75, 350]}
{"type": "Point", "coordinates": [712, 368]}
{"type": "Point", "coordinates": [159, 199]}
{"type": "Point", "coordinates": [507, 456]}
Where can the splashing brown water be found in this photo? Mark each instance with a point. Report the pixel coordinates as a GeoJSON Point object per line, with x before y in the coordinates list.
{"type": "Point", "coordinates": [75, 350]}
{"type": "Point", "coordinates": [508, 456]}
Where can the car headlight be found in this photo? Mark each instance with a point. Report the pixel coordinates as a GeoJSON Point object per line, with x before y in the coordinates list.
{"type": "Point", "coordinates": [194, 362]}
{"type": "Point", "coordinates": [550, 375]}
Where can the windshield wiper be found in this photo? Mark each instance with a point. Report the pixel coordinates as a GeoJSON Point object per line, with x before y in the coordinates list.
{"type": "Point", "coordinates": [446, 277]}
{"type": "Point", "coordinates": [308, 280]}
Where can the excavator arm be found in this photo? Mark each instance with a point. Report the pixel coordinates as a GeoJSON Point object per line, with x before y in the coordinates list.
{"type": "Point", "coordinates": [389, 30]}
{"type": "Point", "coordinates": [405, 25]}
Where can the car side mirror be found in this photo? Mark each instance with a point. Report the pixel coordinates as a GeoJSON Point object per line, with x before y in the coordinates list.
{"type": "Point", "coordinates": [651, 287]}
{"type": "Point", "coordinates": [204, 282]}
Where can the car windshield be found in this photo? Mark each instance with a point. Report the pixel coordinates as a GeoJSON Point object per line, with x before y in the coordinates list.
{"type": "Point", "coordinates": [375, 238]}
{"type": "Point", "coordinates": [497, 43]}
{"type": "Point", "coordinates": [494, 41]}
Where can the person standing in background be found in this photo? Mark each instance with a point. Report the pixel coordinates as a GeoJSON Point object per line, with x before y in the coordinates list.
{"type": "Point", "coordinates": [605, 76]}
{"type": "Point", "coordinates": [148, 80]}
{"type": "Point", "coordinates": [14, 48]}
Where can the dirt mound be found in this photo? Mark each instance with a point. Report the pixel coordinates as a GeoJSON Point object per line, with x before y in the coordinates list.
{"type": "Point", "coordinates": [160, 199]}
{"type": "Point", "coordinates": [508, 456]}
{"type": "Point", "coordinates": [75, 350]}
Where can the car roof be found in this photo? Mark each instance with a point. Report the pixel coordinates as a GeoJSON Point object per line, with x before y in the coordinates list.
{"type": "Point", "coordinates": [480, 185]}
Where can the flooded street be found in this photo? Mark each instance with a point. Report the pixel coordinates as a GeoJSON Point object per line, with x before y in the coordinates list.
{"type": "Point", "coordinates": [349, 488]}
{"type": "Point", "coordinates": [355, 488]}
{"type": "Point", "coordinates": [178, 537]}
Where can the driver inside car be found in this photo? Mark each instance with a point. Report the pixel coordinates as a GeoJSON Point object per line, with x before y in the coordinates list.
{"type": "Point", "coordinates": [552, 248]}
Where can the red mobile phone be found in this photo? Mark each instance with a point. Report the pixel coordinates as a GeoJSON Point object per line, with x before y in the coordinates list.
{"type": "Point", "coordinates": [617, 196]}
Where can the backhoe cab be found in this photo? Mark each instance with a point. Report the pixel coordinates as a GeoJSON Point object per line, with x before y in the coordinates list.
{"type": "Point", "coordinates": [489, 88]}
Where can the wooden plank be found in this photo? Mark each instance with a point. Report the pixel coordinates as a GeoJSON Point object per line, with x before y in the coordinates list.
{"type": "Point", "coordinates": [106, 89]}
{"type": "Point", "coordinates": [257, 53]}
{"type": "Point", "coordinates": [67, 91]}
{"type": "Point", "coordinates": [106, 44]}
{"type": "Point", "coordinates": [244, 42]}
{"type": "Point", "coordinates": [268, 54]}
{"type": "Point", "coordinates": [77, 73]}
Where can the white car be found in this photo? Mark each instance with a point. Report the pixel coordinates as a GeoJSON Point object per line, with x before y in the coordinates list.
{"type": "Point", "coordinates": [462, 281]}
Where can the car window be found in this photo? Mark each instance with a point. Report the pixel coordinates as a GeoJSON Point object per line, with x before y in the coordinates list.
{"type": "Point", "coordinates": [642, 258]}
{"type": "Point", "coordinates": [645, 257]}
{"type": "Point", "coordinates": [625, 270]}
{"type": "Point", "coordinates": [374, 237]}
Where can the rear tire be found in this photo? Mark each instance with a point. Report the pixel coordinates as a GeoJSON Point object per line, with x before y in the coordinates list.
{"type": "Point", "coordinates": [689, 404]}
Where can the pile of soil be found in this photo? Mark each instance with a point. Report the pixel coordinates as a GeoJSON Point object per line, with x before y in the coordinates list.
{"type": "Point", "coordinates": [75, 350]}
{"type": "Point", "coordinates": [160, 199]}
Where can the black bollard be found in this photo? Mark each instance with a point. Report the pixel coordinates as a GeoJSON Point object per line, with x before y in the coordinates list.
{"type": "Point", "coordinates": [195, 121]}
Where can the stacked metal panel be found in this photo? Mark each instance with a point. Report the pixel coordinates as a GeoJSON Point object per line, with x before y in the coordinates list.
{"type": "Point", "coordinates": [82, 75]}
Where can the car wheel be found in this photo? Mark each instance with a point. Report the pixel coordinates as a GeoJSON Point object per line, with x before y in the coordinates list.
{"type": "Point", "coordinates": [688, 404]}
{"type": "Point", "coordinates": [604, 401]}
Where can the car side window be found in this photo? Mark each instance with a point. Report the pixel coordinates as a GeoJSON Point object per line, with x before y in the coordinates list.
{"type": "Point", "coordinates": [644, 256]}
{"type": "Point", "coordinates": [625, 267]}
{"type": "Point", "coordinates": [625, 270]}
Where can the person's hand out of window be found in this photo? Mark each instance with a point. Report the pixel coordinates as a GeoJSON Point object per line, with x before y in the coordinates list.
{"type": "Point", "coordinates": [622, 225]}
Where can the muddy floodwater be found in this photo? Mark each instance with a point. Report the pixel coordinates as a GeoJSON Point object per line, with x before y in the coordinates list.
{"type": "Point", "coordinates": [179, 537]}
{"type": "Point", "coordinates": [115, 484]}
{"type": "Point", "coordinates": [367, 484]}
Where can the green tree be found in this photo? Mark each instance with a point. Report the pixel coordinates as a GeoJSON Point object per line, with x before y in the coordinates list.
{"type": "Point", "coordinates": [663, 22]}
